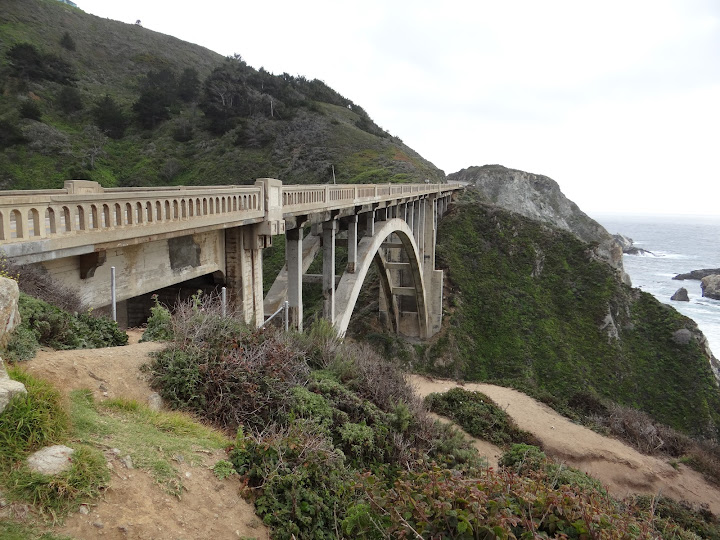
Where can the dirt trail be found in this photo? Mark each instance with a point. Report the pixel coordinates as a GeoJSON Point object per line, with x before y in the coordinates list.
{"type": "Point", "coordinates": [621, 468]}
{"type": "Point", "coordinates": [134, 506]}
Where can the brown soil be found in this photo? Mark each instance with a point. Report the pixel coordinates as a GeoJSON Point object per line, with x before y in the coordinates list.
{"type": "Point", "coordinates": [622, 469]}
{"type": "Point", "coordinates": [134, 506]}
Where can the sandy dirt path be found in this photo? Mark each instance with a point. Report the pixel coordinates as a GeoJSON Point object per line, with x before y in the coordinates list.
{"type": "Point", "coordinates": [621, 468]}
{"type": "Point", "coordinates": [134, 506]}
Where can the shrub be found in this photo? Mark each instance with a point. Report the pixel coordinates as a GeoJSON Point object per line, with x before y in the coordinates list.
{"type": "Point", "coordinates": [69, 100]}
{"type": "Point", "coordinates": [478, 415]}
{"type": "Point", "coordinates": [45, 324]}
{"type": "Point", "coordinates": [159, 324]}
{"type": "Point", "coordinates": [34, 281]}
{"type": "Point", "coordinates": [296, 478]}
{"type": "Point", "coordinates": [67, 42]}
{"type": "Point", "coordinates": [30, 110]}
{"type": "Point", "coordinates": [224, 371]}
{"type": "Point", "coordinates": [110, 117]}
{"type": "Point", "coordinates": [523, 458]}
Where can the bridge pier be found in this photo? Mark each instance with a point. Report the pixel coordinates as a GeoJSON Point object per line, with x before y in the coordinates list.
{"type": "Point", "coordinates": [243, 271]}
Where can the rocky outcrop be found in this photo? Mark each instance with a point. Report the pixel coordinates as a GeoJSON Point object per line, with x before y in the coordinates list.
{"type": "Point", "coordinates": [681, 295]}
{"type": "Point", "coordinates": [698, 274]}
{"type": "Point", "coordinates": [539, 197]}
{"type": "Point", "coordinates": [711, 286]}
{"type": "Point", "coordinates": [9, 314]}
{"type": "Point", "coordinates": [9, 319]}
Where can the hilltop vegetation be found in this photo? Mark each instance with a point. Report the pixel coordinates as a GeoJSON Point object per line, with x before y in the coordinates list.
{"type": "Point", "coordinates": [90, 98]}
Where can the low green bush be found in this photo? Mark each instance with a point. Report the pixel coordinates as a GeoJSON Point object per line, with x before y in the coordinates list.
{"type": "Point", "coordinates": [523, 458]}
{"type": "Point", "coordinates": [479, 416]}
{"type": "Point", "coordinates": [296, 478]}
{"type": "Point", "coordinates": [43, 324]}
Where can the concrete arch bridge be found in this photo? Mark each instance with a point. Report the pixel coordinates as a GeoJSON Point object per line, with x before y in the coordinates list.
{"type": "Point", "coordinates": [161, 237]}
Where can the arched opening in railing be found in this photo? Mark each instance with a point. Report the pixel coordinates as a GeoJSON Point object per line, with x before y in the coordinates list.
{"type": "Point", "coordinates": [50, 223]}
{"type": "Point", "coordinates": [105, 217]}
{"type": "Point", "coordinates": [198, 207]}
{"type": "Point", "coordinates": [2, 227]}
{"type": "Point", "coordinates": [167, 211]}
{"type": "Point", "coordinates": [176, 209]}
{"type": "Point", "coordinates": [217, 205]}
{"type": "Point", "coordinates": [158, 211]}
{"type": "Point", "coordinates": [118, 215]}
{"type": "Point", "coordinates": [93, 217]}
{"type": "Point", "coordinates": [148, 212]}
{"type": "Point", "coordinates": [33, 223]}
{"type": "Point", "coordinates": [139, 212]}
{"type": "Point", "coordinates": [16, 225]}
{"type": "Point", "coordinates": [183, 208]}
{"type": "Point", "coordinates": [223, 205]}
{"type": "Point", "coordinates": [65, 219]}
{"type": "Point", "coordinates": [80, 224]}
{"type": "Point", "coordinates": [128, 214]}
{"type": "Point", "coordinates": [191, 208]}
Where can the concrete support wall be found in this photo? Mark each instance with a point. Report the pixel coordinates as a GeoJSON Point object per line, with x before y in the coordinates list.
{"type": "Point", "coordinates": [140, 268]}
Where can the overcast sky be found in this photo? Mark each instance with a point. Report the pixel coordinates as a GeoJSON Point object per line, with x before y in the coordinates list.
{"type": "Point", "coordinates": [618, 101]}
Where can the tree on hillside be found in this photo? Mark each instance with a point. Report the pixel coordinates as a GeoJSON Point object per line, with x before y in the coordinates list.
{"type": "Point", "coordinates": [110, 118]}
{"type": "Point", "coordinates": [29, 64]}
{"type": "Point", "coordinates": [69, 100]}
{"type": "Point", "coordinates": [188, 85]}
{"type": "Point", "coordinates": [158, 92]}
{"type": "Point", "coordinates": [94, 144]}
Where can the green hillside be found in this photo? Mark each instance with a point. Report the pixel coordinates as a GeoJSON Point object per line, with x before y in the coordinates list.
{"type": "Point", "coordinates": [528, 307]}
{"type": "Point", "coordinates": [90, 98]}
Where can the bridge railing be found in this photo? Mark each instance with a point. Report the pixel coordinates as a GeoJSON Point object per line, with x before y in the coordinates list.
{"type": "Point", "coordinates": [85, 207]}
{"type": "Point", "coordinates": [298, 198]}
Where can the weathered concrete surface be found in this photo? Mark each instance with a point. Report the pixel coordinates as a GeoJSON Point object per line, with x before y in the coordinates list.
{"type": "Point", "coordinates": [143, 268]}
{"type": "Point", "coordinates": [51, 459]}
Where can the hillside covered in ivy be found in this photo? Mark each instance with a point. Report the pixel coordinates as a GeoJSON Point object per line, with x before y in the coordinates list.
{"type": "Point", "coordinates": [90, 98]}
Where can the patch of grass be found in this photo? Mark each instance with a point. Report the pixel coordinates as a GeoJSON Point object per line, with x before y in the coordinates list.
{"type": "Point", "coordinates": [11, 530]}
{"type": "Point", "coordinates": [31, 421]}
{"type": "Point", "coordinates": [57, 495]}
{"type": "Point", "coordinates": [155, 441]}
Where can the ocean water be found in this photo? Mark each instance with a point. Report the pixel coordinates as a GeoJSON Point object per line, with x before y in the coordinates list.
{"type": "Point", "coordinates": [679, 244]}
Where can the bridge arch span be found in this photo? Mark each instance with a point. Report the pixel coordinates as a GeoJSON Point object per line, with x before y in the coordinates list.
{"type": "Point", "coordinates": [368, 251]}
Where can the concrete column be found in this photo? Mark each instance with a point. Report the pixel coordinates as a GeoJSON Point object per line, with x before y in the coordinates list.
{"type": "Point", "coordinates": [329, 231]}
{"type": "Point", "coordinates": [243, 272]}
{"type": "Point", "coordinates": [294, 260]}
{"type": "Point", "coordinates": [416, 221]}
{"type": "Point", "coordinates": [352, 240]}
{"type": "Point", "coordinates": [370, 223]}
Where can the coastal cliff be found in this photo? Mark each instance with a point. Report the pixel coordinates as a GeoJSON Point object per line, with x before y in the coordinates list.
{"type": "Point", "coordinates": [539, 197]}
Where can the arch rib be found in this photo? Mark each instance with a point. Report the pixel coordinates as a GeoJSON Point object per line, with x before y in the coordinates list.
{"type": "Point", "coordinates": [348, 289]}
